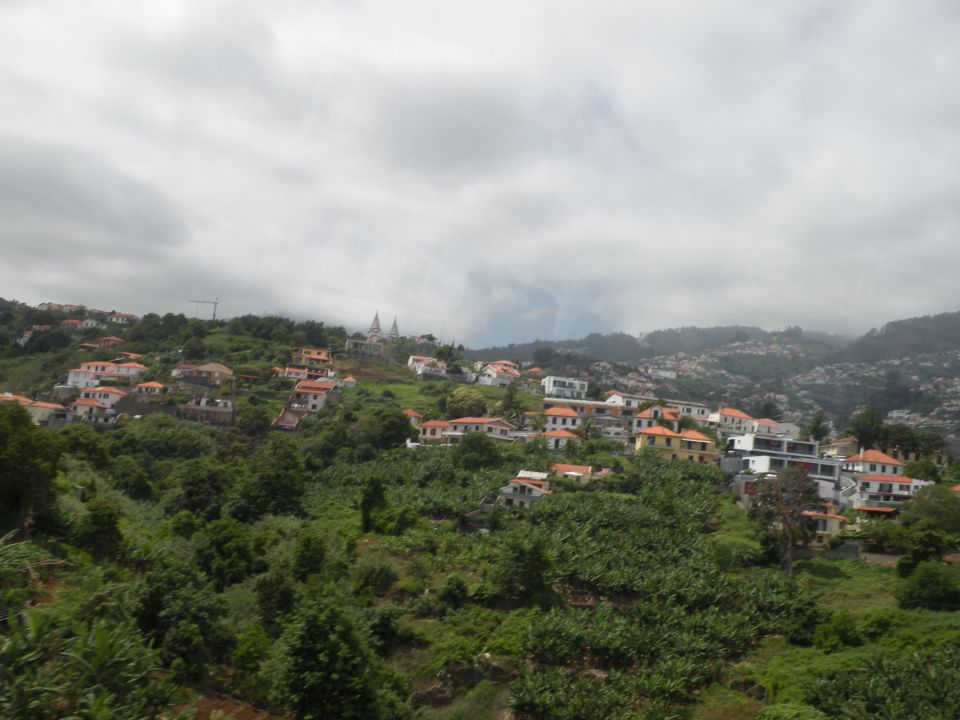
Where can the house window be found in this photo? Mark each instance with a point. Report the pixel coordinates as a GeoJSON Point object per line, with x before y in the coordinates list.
{"type": "Point", "coordinates": [670, 443]}
{"type": "Point", "coordinates": [651, 442]}
{"type": "Point", "coordinates": [873, 467]}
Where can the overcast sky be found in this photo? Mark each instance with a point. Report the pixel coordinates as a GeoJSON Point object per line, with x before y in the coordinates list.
{"type": "Point", "coordinates": [489, 171]}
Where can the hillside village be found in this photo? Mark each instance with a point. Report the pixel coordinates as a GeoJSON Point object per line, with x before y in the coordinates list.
{"type": "Point", "coordinates": [495, 531]}
{"type": "Point", "coordinates": [129, 386]}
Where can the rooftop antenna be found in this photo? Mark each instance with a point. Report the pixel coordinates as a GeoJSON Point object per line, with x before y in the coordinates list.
{"type": "Point", "coordinates": [209, 302]}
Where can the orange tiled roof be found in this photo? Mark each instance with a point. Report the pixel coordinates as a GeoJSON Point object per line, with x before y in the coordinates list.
{"type": "Point", "coordinates": [89, 402]}
{"type": "Point", "coordinates": [885, 478]}
{"type": "Point", "coordinates": [811, 513]}
{"type": "Point", "coordinates": [694, 435]}
{"type": "Point", "coordinates": [872, 456]}
{"type": "Point", "coordinates": [581, 469]}
{"type": "Point", "coordinates": [10, 397]}
{"type": "Point", "coordinates": [561, 412]}
{"type": "Point", "coordinates": [559, 434]}
{"type": "Point", "coordinates": [659, 430]}
{"type": "Point", "coordinates": [412, 413]}
{"type": "Point", "coordinates": [435, 423]}
{"type": "Point", "coordinates": [733, 412]}
{"type": "Point", "coordinates": [151, 384]}
{"type": "Point", "coordinates": [867, 508]}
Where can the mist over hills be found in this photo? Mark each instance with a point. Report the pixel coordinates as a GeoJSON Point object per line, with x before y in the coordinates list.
{"type": "Point", "coordinates": [623, 348]}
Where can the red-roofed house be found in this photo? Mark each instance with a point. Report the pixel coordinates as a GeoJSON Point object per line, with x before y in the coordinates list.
{"type": "Point", "coordinates": [121, 318]}
{"type": "Point", "coordinates": [496, 428]}
{"type": "Point", "coordinates": [561, 418]}
{"type": "Point", "coordinates": [731, 420]}
{"type": "Point", "coordinates": [431, 431]}
{"type": "Point", "coordinates": [108, 396]}
{"type": "Point", "coordinates": [90, 374]}
{"type": "Point", "coordinates": [312, 357]}
{"type": "Point", "coordinates": [556, 439]}
{"type": "Point", "coordinates": [657, 415]}
{"type": "Point", "coordinates": [150, 388]}
{"type": "Point", "coordinates": [524, 492]}
{"type": "Point", "coordinates": [671, 445]}
{"type": "Point", "coordinates": [872, 461]}
{"type": "Point", "coordinates": [413, 416]}
{"type": "Point", "coordinates": [826, 526]}
{"type": "Point", "coordinates": [313, 395]}
{"type": "Point", "coordinates": [575, 472]}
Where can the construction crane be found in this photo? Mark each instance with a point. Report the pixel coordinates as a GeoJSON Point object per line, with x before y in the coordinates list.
{"type": "Point", "coordinates": [209, 302]}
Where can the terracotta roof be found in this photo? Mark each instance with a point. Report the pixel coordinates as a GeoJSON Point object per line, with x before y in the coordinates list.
{"type": "Point", "coordinates": [106, 389]}
{"type": "Point", "coordinates": [872, 456]}
{"type": "Point", "coordinates": [811, 513]}
{"type": "Point", "coordinates": [10, 397]}
{"type": "Point", "coordinates": [89, 402]}
{"type": "Point", "coordinates": [733, 412]}
{"type": "Point", "coordinates": [694, 435]}
{"type": "Point", "coordinates": [668, 413]}
{"type": "Point", "coordinates": [885, 478]}
{"type": "Point", "coordinates": [561, 412]}
{"type": "Point", "coordinates": [659, 430]}
{"type": "Point", "coordinates": [314, 386]}
{"type": "Point", "coordinates": [435, 423]}
{"type": "Point", "coordinates": [559, 434]}
{"type": "Point", "coordinates": [765, 421]}
{"type": "Point", "coordinates": [132, 365]}
{"type": "Point", "coordinates": [476, 420]}
{"type": "Point", "coordinates": [956, 488]}
{"type": "Point", "coordinates": [579, 469]}
{"type": "Point", "coordinates": [412, 413]}
{"type": "Point", "coordinates": [867, 508]}
{"type": "Point", "coordinates": [151, 384]}
{"type": "Point", "coordinates": [46, 405]}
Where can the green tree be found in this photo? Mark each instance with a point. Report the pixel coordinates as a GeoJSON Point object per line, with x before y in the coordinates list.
{"type": "Point", "coordinates": [203, 483]}
{"type": "Point", "coordinates": [387, 428]}
{"type": "Point", "coordinates": [224, 550]}
{"type": "Point", "coordinates": [818, 428]}
{"type": "Point", "coordinates": [523, 569]}
{"type": "Point", "coordinates": [867, 427]}
{"type": "Point", "coordinates": [932, 585]}
{"type": "Point", "coordinates": [937, 505]}
{"type": "Point", "coordinates": [309, 552]}
{"type": "Point", "coordinates": [373, 499]}
{"type": "Point", "coordinates": [28, 464]}
{"type": "Point", "coordinates": [178, 610]}
{"type": "Point", "coordinates": [276, 597]}
{"type": "Point", "coordinates": [475, 451]}
{"type": "Point", "coordinates": [275, 483]}
{"type": "Point", "coordinates": [321, 663]}
{"type": "Point", "coordinates": [922, 469]}
{"type": "Point", "coordinates": [465, 402]}
{"type": "Point", "coordinates": [99, 530]}
{"type": "Point", "coordinates": [779, 505]}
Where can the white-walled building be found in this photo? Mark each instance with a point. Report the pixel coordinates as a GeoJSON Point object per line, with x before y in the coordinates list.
{"type": "Point", "coordinates": [564, 387]}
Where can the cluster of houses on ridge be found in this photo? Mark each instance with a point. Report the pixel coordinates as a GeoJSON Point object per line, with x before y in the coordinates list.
{"type": "Point", "coordinates": [92, 320]}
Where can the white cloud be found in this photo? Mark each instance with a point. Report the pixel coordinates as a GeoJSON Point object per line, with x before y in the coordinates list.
{"type": "Point", "coordinates": [491, 171]}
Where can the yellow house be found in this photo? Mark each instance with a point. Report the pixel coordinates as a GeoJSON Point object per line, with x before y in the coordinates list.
{"type": "Point", "coordinates": [683, 445]}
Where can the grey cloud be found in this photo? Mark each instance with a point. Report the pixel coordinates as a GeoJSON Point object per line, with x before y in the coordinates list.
{"type": "Point", "coordinates": [492, 172]}
{"type": "Point", "coordinates": [62, 202]}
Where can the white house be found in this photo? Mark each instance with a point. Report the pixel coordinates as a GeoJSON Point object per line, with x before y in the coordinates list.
{"type": "Point", "coordinates": [108, 396]}
{"type": "Point", "coordinates": [564, 387]}
{"type": "Point", "coordinates": [523, 492]}
{"type": "Point", "coordinates": [313, 395]}
{"type": "Point", "coordinates": [731, 420]}
{"type": "Point", "coordinates": [495, 428]}
{"type": "Point", "coordinates": [562, 418]}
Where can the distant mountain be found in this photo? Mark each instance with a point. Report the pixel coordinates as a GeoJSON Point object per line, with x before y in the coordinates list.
{"type": "Point", "coordinates": [901, 338]}
{"type": "Point", "coordinates": [623, 348]}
